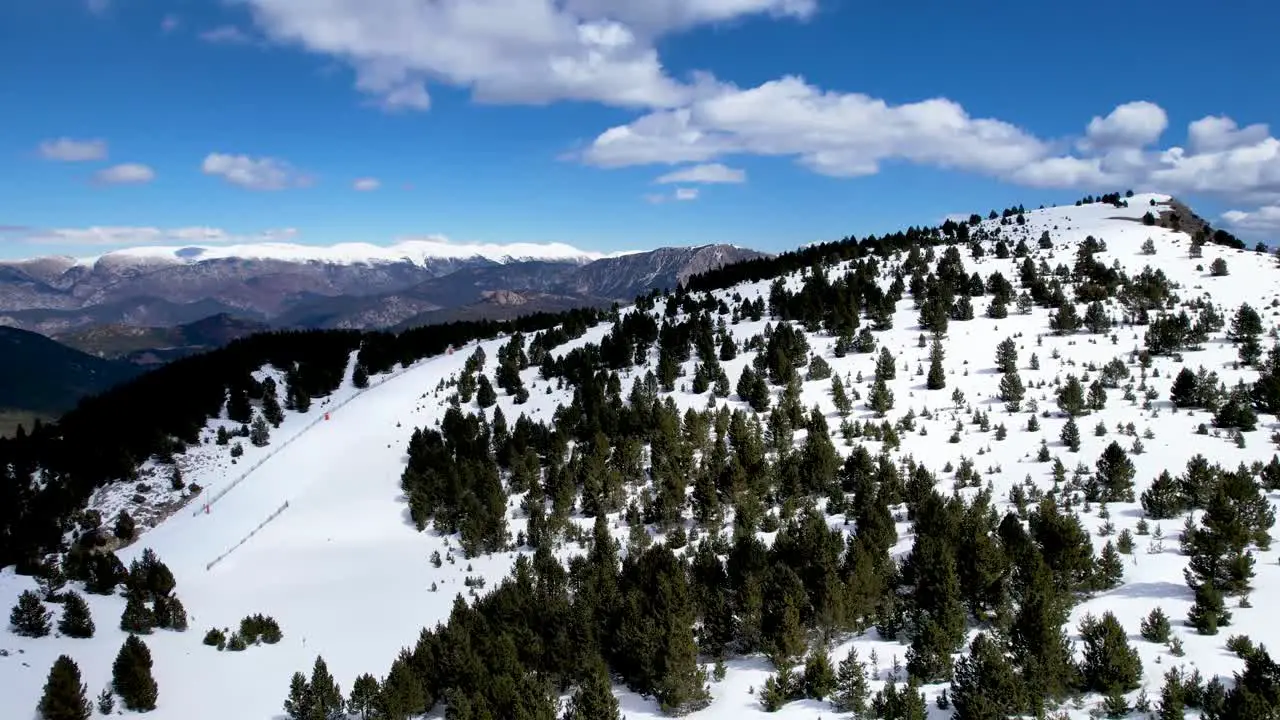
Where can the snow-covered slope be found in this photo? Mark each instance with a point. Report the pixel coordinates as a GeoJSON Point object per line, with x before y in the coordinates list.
{"type": "Point", "coordinates": [347, 575]}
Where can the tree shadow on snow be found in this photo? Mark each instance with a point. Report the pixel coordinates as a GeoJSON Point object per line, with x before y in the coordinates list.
{"type": "Point", "coordinates": [1160, 589]}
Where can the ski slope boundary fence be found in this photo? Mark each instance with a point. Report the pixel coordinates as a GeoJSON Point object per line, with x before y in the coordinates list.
{"type": "Point", "coordinates": [204, 506]}
{"type": "Point", "coordinates": [245, 539]}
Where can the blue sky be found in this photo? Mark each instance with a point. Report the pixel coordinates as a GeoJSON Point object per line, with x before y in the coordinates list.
{"type": "Point", "coordinates": [777, 122]}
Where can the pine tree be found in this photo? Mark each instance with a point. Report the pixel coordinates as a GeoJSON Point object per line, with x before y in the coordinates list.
{"type": "Point", "coordinates": [819, 676]}
{"type": "Point", "coordinates": [65, 696]}
{"type": "Point", "coordinates": [1007, 356]}
{"type": "Point", "coordinates": [1113, 481]}
{"type": "Point", "coordinates": [886, 367]}
{"type": "Point", "coordinates": [1110, 664]}
{"type": "Point", "coordinates": [1071, 435]}
{"type": "Point", "coordinates": [852, 688]}
{"type": "Point", "coordinates": [594, 697]}
{"type": "Point", "coordinates": [124, 528]}
{"type": "Point", "coordinates": [1209, 612]}
{"type": "Point", "coordinates": [324, 693]}
{"type": "Point", "coordinates": [271, 409]}
{"type": "Point", "coordinates": [131, 676]}
{"type": "Point", "coordinates": [880, 399]}
{"type": "Point", "coordinates": [839, 397]}
{"type": "Point", "coordinates": [1110, 568]}
{"type": "Point", "coordinates": [298, 705]}
{"type": "Point", "coordinates": [1172, 696]}
{"type": "Point", "coordinates": [1012, 391]}
{"type": "Point", "coordinates": [76, 620]}
{"type": "Point", "coordinates": [360, 377]}
{"type": "Point", "coordinates": [137, 617]}
{"type": "Point", "coordinates": [485, 394]}
{"type": "Point", "coordinates": [1155, 627]}
{"type": "Point", "coordinates": [28, 617]}
{"type": "Point", "coordinates": [985, 685]}
{"type": "Point", "coordinates": [936, 379]}
{"type": "Point", "coordinates": [1071, 397]}
{"type": "Point", "coordinates": [259, 432]}
{"type": "Point", "coordinates": [364, 696]}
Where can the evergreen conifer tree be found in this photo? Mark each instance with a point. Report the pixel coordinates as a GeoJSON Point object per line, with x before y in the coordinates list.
{"type": "Point", "coordinates": [1012, 391]}
{"type": "Point", "coordinates": [985, 685]}
{"type": "Point", "coordinates": [131, 676]}
{"type": "Point", "coordinates": [1007, 356]}
{"type": "Point", "coordinates": [594, 696]}
{"type": "Point", "coordinates": [65, 696]}
{"type": "Point", "coordinates": [325, 694]}
{"type": "Point", "coordinates": [1110, 664]}
{"type": "Point", "coordinates": [937, 378]}
{"type": "Point", "coordinates": [76, 620]}
{"type": "Point", "coordinates": [298, 704]}
{"type": "Point", "coordinates": [852, 688]}
{"type": "Point", "coordinates": [364, 696]}
{"type": "Point", "coordinates": [137, 617]}
{"type": "Point", "coordinates": [819, 676]}
{"type": "Point", "coordinates": [259, 432]}
{"type": "Point", "coordinates": [1071, 435]}
{"type": "Point", "coordinates": [880, 399]}
{"type": "Point", "coordinates": [28, 617]}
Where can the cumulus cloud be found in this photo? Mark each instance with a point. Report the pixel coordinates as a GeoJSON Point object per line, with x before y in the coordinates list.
{"type": "Point", "coordinates": [366, 184]}
{"type": "Point", "coordinates": [125, 174]}
{"type": "Point", "coordinates": [707, 174]}
{"type": "Point", "coordinates": [837, 134]}
{"type": "Point", "coordinates": [71, 150]}
{"type": "Point", "coordinates": [254, 173]}
{"type": "Point", "coordinates": [130, 236]}
{"type": "Point", "coordinates": [509, 51]}
{"type": "Point", "coordinates": [1131, 125]}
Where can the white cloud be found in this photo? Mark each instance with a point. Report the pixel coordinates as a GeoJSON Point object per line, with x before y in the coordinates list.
{"type": "Point", "coordinates": [506, 51]}
{"type": "Point", "coordinates": [710, 173]}
{"type": "Point", "coordinates": [837, 134]}
{"type": "Point", "coordinates": [1131, 125]}
{"type": "Point", "coordinates": [254, 173]}
{"type": "Point", "coordinates": [366, 184]}
{"type": "Point", "coordinates": [1263, 221]}
{"type": "Point", "coordinates": [98, 7]}
{"type": "Point", "coordinates": [71, 150]}
{"type": "Point", "coordinates": [125, 174]}
{"type": "Point", "coordinates": [170, 23]}
{"type": "Point", "coordinates": [226, 35]}
{"type": "Point", "coordinates": [128, 236]}
{"type": "Point", "coordinates": [678, 195]}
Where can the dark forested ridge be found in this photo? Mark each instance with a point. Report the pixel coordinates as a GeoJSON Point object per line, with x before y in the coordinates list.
{"type": "Point", "coordinates": [979, 598]}
{"type": "Point", "coordinates": [45, 377]}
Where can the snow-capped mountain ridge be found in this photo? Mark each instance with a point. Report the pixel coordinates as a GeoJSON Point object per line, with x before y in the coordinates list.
{"type": "Point", "coordinates": [414, 251]}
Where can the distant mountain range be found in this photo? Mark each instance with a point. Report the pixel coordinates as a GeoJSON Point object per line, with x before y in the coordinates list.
{"type": "Point", "coordinates": [89, 303]}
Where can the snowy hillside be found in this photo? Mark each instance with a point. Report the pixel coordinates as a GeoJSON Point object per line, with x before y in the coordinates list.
{"type": "Point", "coordinates": [341, 566]}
